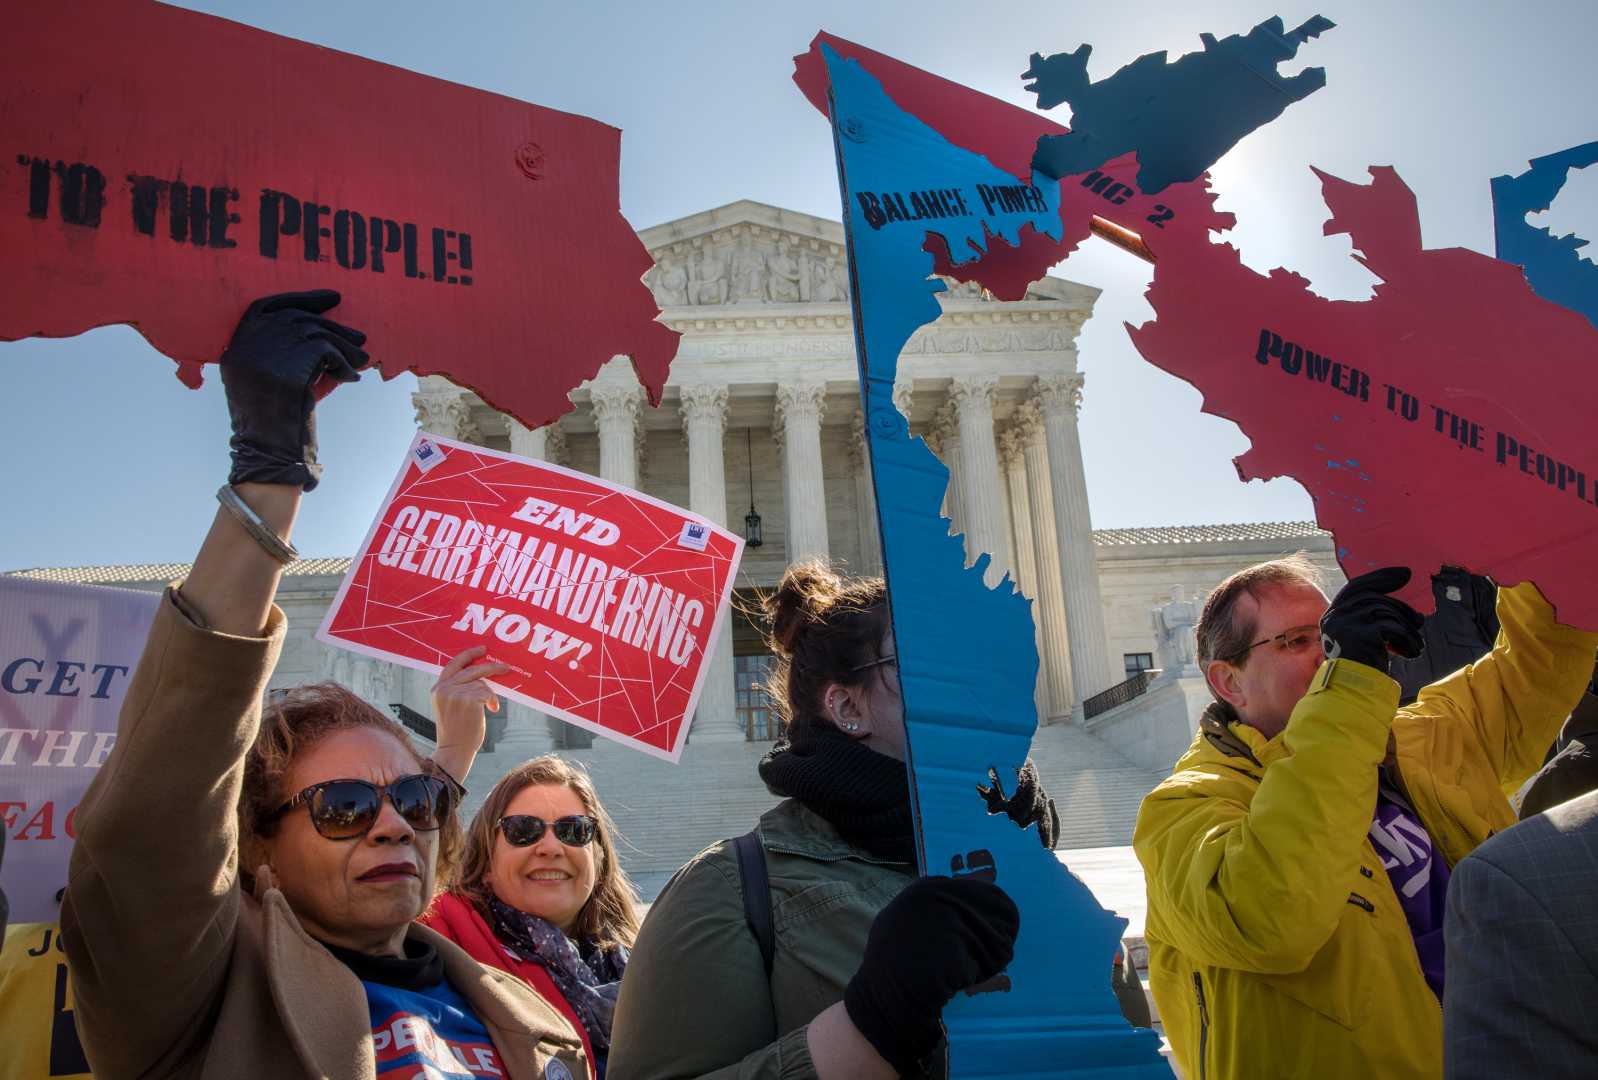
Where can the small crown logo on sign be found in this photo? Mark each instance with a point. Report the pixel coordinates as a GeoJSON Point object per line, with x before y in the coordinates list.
{"type": "Point", "coordinates": [427, 454]}
{"type": "Point", "coordinates": [695, 535]}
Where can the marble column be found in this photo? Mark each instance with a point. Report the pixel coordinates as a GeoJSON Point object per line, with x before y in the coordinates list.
{"type": "Point", "coordinates": [1059, 397]}
{"type": "Point", "coordinates": [945, 442]}
{"type": "Point", "coordinates": [704, 416]}
{"type": "Point", "coordinates": [981, 489]}
{"type": "Point", "coordinates": [799, 409]}
{"type": "Point", "coordinates": [904, 399]}
{"type": "Point", "coordinates": [528, 442]}
{"type": "Point", "coordinates": [442, 409]}
{"type": "Point", "coordinates": [1050, 597]}
{"type": "Point", "coordinates": [616, 412]}
{"type": "Point", "coordinates": [1012, 464]}
{"type": "Point", "coordinates": [870, 564]}
{"type": "Point", "coordinates": [528, 730]}
{"type": "Point", "coordinates": [1009, 522]}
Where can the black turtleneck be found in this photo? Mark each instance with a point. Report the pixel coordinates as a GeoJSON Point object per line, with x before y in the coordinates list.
{"type": "Point", "coordinates": [861, 793]}
{"type": "Point", "coordinates": [419, 968]}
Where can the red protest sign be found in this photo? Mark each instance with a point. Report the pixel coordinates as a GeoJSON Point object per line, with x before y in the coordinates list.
{"type": "Point", "coordinates": [603, 600]}
{"type": "Point", "coordinates": [161, 167]}
{"type": "Point", "coordinates": [1442, 421]}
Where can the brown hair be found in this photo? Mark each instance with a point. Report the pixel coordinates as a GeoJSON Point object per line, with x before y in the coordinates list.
{"type": "Point", "coordinates": [610, 917]}
{"type": "Point", "coordinates": [823, 627]}
{"type": "Point", "coordinates": [1222, 634]}
{"type": "Point", "coordinates": [296, 720]}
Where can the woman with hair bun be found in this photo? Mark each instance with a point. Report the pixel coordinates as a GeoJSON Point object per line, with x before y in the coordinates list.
{"type": "Point", "coordinates": [863, 954]}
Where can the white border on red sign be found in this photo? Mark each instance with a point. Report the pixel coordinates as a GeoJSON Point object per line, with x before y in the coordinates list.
{"type": "Point", "coordinates": [723, 606]}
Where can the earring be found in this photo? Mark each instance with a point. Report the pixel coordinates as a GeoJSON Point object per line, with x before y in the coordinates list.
{"type": "Point", "coordinates": [851, 727]}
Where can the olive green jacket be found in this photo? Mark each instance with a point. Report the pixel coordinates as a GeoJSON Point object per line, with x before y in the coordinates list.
{"type": "Point", "coordinates": [696, 1001]}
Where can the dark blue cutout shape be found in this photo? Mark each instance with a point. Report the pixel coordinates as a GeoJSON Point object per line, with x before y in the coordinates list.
{"type": "Point", "coordinates": [1553, 267]}
{"type": "Point", "coordinates": [1180, 118]}
{"type": "Point", "coordinates": [967, 659]}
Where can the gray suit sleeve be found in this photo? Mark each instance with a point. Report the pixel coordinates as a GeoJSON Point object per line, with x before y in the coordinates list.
{"type": "Point", "coordinates": [1517, 992]}
{"type": "Point", "coordinates": [1572, 772]}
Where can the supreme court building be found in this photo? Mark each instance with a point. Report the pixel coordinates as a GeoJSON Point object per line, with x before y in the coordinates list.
{"type": "Point", "coordinates": [761, 418]}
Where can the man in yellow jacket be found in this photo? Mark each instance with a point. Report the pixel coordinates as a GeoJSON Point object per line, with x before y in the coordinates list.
{"type": "Point", "coordinates": [1297, 857]}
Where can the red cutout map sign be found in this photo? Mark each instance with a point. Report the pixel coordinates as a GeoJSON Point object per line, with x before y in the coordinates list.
{"type": "Point", "coordinates": [163, 168]}
{"type": "Point", "coordinates": [1445, 421]}
{"type": "Point", "coordinates": [603, 600]}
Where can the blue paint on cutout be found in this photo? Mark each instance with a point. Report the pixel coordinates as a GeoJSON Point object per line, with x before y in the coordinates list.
{"type": "Point", "coordinates": [1553, 268]}
{"type": "Point", "coordinates": [1180, 118]}
{"type": "Point", "coordinates": [967, 661]}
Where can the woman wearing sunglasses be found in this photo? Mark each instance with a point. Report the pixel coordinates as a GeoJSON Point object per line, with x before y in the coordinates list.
{"type": "Point", "coordinates": [863, 954]}
{"type": "Point", "coordinates": [241, 895]}
{"type": "Point", "coordinates": [541, 894]}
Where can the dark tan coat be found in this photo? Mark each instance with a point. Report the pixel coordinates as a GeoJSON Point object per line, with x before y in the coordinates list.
{"type": "Point", "coordinates": [175, 971]}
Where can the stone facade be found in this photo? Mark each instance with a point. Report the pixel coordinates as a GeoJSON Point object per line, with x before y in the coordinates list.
{"type": "Point", "coordinates": [1097, 771]}
{"type": "Point", "coordinates": [761, 298]}
{"type": "Point", "coordinates": [763, 410]}
{"type": "Point", "coordinates": [1140, 569]}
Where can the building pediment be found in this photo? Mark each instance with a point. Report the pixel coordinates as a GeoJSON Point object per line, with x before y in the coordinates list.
{"type": "Point", "coordinates": [749, 253]}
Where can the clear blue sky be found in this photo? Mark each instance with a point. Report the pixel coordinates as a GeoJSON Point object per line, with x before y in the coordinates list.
{"type": "Point", "coordinates": [114, 461]}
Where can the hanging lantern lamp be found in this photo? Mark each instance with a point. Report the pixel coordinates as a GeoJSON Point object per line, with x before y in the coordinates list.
{"type": "Point", "coordinates": [751, 519]}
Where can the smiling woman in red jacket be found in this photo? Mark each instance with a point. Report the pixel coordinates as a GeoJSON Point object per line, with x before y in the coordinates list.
{"type": "Point", "coordinates": [541, 894]}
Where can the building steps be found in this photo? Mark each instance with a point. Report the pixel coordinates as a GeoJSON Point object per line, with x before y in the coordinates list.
{"type": "Point", "coordinates": [665, 813]}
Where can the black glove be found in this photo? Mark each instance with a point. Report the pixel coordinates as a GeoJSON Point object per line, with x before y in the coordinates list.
{"type": "Point", "coordinates": [937, 937]}
{"type": "Point", "coordinates": [281, 347]}
{"type": "Point", "coordinates": [1029, 804]}
{"type": "Point", "coordinates": [1366, 625]}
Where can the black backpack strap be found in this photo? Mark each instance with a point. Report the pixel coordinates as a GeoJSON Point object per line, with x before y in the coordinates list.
{"type": "Point", "coordinates": [757, 894]}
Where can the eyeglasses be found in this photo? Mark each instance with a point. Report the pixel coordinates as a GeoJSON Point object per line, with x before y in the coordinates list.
{"type": "Point", "coordinates": [347, 809]}
{"type": "Point", "coordinates": [1295, 640]}
{"type": "Point", "coordinates": [524, 830]}
{"type": "Point", "coordinates": [889, 659]}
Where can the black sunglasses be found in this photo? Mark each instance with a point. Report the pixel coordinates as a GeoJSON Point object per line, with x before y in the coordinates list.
{"type": "Point", "coordinates": [523, 830]}
{"type": "Point", "coordinates": [347, 809]}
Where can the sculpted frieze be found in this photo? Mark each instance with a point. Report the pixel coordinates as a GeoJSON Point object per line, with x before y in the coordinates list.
{"type": "Point", "coordinates": [752, 265]}
{"type": "Point", "coordinates": [724, 268]}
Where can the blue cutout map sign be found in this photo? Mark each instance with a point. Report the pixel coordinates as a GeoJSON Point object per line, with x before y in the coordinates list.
{"type": "Point", "coordinates": [1181, 117]}
{"type": "Point", "coordinates": [1553, 266]}
{"type": "Point", "coordinates": [967, 660]}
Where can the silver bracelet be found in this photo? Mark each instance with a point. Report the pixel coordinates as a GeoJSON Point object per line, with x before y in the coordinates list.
{"type": "Point", "coordinates": [273, 544]}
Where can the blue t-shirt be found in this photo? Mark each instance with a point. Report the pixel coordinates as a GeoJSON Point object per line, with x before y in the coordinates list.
{"type": "Point", "coordinates": [1418, 874]}
{"type": "Point", "coordinates": [428, 1034]}
{"type": "Point", "coordinates": [422, 1029]}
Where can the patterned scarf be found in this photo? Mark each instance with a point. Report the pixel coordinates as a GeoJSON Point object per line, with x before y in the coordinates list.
{"type": "Point", "coordinates": [590, 978]}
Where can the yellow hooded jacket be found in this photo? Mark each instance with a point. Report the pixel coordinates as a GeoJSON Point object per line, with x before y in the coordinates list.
{"type": "Point", "coordinates": [1277, 946]}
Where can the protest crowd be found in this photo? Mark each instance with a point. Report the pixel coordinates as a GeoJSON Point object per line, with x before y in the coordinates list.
{"type": "Point", "coordinates": [1337, 883]}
